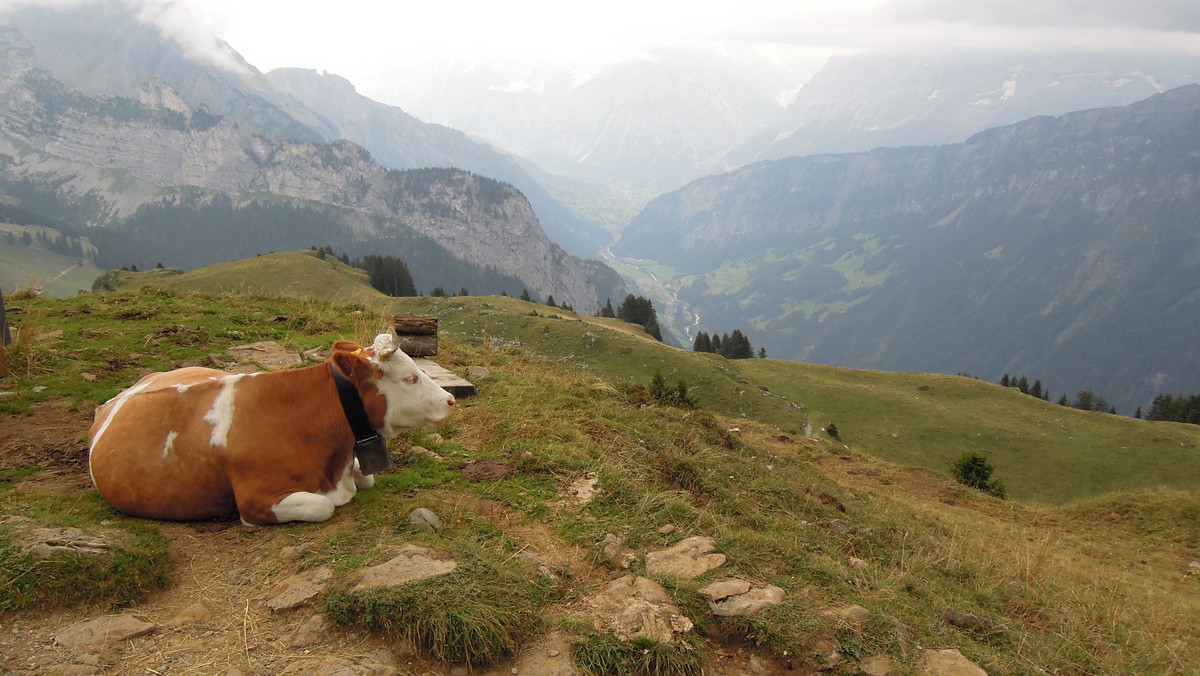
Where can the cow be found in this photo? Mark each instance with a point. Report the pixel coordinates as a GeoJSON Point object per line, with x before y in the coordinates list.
{"type": "Point", "coordinates": [197, 443]}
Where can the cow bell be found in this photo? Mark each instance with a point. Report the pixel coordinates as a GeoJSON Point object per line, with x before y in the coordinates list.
{"type": "Point", "coordinates": [373, 456]}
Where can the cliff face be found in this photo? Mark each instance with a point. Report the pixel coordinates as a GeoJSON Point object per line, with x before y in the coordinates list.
{"type": "Point", "coordinates": [120, 153]}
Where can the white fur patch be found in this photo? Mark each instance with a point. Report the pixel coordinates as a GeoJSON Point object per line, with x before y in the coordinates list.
{"type": "Point", "coordinates": [170, 445]}
{"type": "Point", "coordinates": [303, 506]}
{"type": "Point", "coordinates": [346, 486]}
{"type": "Point", "coordinates": [220, 416]}
{"type": "Point", "coordinates": [118, 402]}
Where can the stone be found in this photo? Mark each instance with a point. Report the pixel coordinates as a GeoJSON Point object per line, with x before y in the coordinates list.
{"type": "Point", "coordinates": [412, 562]}
{"type": "Point", "coordinates": [102, 632]}
{"type": "Point", "coordinates": [688, 559]}
{"type": "Point", "coordinates": [551, 656]}
{"type": "Point", "coordinates": [478, 372]}
{"type": "Point", "coordinates": [615, 549]}
{"type": "Point", "coordinates": [197, 612]}
{"type": "Point", "coordinates": [667, 529]}
{"type": "Point", "coordinates": [738, 598]}
{"type": "Point", "coordinates": [858, 564]}
{"type": "Point", "coordinates": [582, 490]}
{"type": "Point", "coordinates": [947, 663]}
{"type": "Point", "coordinates": [425, 518]}
{"type": "Point", "coordinates": [313, 631]}
{"type": "Point", "coordinates": [298, 589]}
{"type": "Point", "coordinates": [634, 606]}
{"type": "Point", "coordinates": [854, 614]}
{"type": "Point", "coordinates": [983, 625]}
{"type": "Point", "coordinates": [876, 665]}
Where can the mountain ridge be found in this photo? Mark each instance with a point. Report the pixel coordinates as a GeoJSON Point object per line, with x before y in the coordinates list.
{"type": "Point", "coordinates": [113, 154]}
{"type": "Point", "coordinates": [1070, 229]}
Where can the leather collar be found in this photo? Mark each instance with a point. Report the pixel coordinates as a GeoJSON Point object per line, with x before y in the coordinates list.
{"type": "Point", "coordinates": [370, 448]}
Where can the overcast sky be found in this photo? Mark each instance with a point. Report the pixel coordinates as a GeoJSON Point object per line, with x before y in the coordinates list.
{"type": "Point", "coordinates": [361, 39]}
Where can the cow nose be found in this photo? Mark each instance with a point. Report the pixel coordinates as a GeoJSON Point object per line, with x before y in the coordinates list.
{"type": "Point", "coordinates": [450, 402]}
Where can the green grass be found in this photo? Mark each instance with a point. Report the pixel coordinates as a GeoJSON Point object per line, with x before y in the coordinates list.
{"type": "Point", "coordinates": [23, 267]}
{"type": "Point", "coordinates": [1087, 566]}
{"type": "Point", "coordinates": [136, 564]}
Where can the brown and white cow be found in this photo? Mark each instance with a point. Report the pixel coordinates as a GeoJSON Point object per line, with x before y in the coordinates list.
{"type": "Point", "coordinates": [197, 443]}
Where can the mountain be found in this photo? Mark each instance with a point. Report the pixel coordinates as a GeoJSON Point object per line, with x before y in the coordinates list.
{"type": "Point", "coordinates": [107, 48]}
{"type": "Point", "coordinates": [158, 177]}
{"type": "Point", "coordinates": [400, 140]}
{"type": "Point", "coordinates": [112, 48]}
{"type": "Point", "coordinates": [644, 124]}
{"type": "Point", "coordinates": [1061, 248]}
{"type": "Point", "coordinates": [864, 101]}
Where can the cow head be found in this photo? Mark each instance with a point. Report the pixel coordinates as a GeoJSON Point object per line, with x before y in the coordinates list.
{"type": "Point", "coordinates": [396, 393]}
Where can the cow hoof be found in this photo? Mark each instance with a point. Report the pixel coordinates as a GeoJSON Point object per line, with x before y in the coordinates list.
{"type": "Point", "coordinates": [303, 506]}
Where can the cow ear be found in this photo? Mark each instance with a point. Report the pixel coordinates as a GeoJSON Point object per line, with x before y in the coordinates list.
{"type": "Point", "coordinates": [346, 346]}
{"type": "Point", "coordinates": [352, 365]}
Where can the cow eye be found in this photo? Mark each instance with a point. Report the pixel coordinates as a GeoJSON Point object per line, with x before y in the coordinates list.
{"type": "Point", "coordinates": [411, 379]}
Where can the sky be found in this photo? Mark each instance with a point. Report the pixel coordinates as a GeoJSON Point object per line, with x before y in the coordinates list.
{"type": "Point", "coordinates": [365, 39]}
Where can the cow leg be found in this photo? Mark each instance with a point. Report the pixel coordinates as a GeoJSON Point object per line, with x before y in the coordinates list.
{"type": "Point", "coordinates": [303, 506]}
{"type": "Point", "coordinates": [362, 480]}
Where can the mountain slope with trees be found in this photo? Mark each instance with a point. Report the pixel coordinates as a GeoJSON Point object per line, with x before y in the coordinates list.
{"type": "Point", "coordinates": [1064, 247]}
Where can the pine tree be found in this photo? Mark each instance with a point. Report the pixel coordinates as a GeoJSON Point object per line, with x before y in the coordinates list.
{"type": "Point", "coordinates": [525, 296]}
{"type": "Point", "coordinates": [607, 310]}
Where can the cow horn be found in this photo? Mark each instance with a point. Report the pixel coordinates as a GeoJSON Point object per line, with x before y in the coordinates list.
{"type": "Point", "coordinates": [385, 345]}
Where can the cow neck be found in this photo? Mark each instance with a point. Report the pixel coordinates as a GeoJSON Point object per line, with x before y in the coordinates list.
{"type": "Point", "coordinates": [370, 448]}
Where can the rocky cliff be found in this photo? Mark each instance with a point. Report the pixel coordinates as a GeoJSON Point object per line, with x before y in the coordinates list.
{"type": "Point", "coordinates": [120, 153]}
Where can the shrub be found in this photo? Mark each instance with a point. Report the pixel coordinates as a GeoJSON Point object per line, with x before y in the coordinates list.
{"type": "Point", "coordinates": [973, 469]}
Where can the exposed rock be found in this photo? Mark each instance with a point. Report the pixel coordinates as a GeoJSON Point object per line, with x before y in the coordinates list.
{"type": "Point", "coordinates": [44, 542]}
{"type": "Point", "coordinates": [876, 665]}
{"type": "Point", "coordinates": [981, 624]}
{"type": "Point", "coordinates": [550, 657]}
{"type": "Point", "coordinates": [103, 631]}
{"type": "Point", "coordinates": [854, 614]}
{"type": "Point", "coordinates": [668, 529]}
{"type": "Point", "coordinates": [858, 564]}
{"type": "Point", "coordinates": [298, 589]}
{"type": "Point", "coordinates": [688, 559]}
{"type": "Point", "coordinates": [267, 354]}
{"type": "Point", "coordinates": [411, 563]}
{"type": "Point", "coordinates": [313, 631]}
{"type": "Point", "coordinates": [197, 612]}
{"type": "Point", "coordinates": [478, 372]}
{"type": "Point", "coordinates": [422, 452]}
{"type": "Point", "coordinates": [948, 663]}
{"type": "Point", "coordinates": [582, 490]}
{"type": "Point", "coordinates": [738, 598]}
{"type": "Point", "coordinates": [632, 606]}
{"type": "Point", "coordinates": [426, 518]}
{"type": "Point", "coordinates": [614, 548]}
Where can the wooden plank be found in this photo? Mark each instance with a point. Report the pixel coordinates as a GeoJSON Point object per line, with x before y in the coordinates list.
{"type": "Point", "coordinates": [448, 380]}
{"type": "Point", "coordinates": [418, 346]}
{"type": "Point", "coordinates": [415, 325]}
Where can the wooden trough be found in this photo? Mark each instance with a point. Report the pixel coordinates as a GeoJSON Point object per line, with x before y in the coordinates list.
{"type": "Point", "coordinates": [417, 337]}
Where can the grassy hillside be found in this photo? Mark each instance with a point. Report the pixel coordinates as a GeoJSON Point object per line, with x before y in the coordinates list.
{"type": "Point", "coordinates": [1041, 451]}
{"type": "Point", "coordinates": [33, 267]}
{"type": "Point", "coordinates": [1099, 585]}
